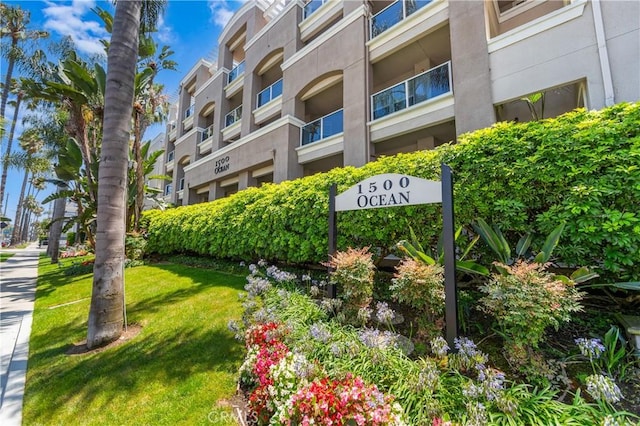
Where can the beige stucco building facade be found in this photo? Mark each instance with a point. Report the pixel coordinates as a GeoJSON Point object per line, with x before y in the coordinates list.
{"type": "Point", "coordinates": [303, 87]}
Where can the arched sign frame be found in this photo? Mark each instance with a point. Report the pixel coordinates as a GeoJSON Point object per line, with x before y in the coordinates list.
{"type": "Point", "coordinates": [396, 190]}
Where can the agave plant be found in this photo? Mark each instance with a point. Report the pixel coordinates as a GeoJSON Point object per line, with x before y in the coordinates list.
{"type": "Point", "coordinates": [414, 250]}
{"type": "Point", "coordinates": [499, 245]}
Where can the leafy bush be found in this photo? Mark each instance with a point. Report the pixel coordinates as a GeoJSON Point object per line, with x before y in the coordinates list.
{"type": "Point", "coordinates": [421, 286]}
{"type": "Point", "coordinates": [580, 168]}
{"type": "Point", "coordinates": [71, 238]}
{"type": "Point", "coordinates": [353, 272]}
{"type": "Point", "coordinates": [134, 246]}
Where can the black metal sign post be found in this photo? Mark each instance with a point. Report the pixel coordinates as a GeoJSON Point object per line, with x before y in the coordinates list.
{"type": "Point", "coordinates": [389, 190]}
{"type": "Point", "coordinates": [448, 229]}
{"type": "Point", "coordinates": [333, 233]}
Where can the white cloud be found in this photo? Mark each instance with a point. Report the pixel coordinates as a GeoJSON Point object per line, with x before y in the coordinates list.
{"type": "Point", "coordinates": [221, 11]}
{"type": "Point", "coordinates": [68, 19]}
{"type": "Point", "coordinates": [165, 32]}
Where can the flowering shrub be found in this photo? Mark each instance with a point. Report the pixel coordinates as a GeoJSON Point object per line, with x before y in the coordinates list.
{"type": "Point", "coordinates": [524, 302]}
{"type": "Point", "coordinates": [353, 272]}
{"type": "Point", "coordinates": [339, 402]}
{"type": "Point", "coordinates": [421, 286]}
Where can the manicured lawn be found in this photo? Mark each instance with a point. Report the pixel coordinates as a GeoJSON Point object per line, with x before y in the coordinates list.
{"type": "Point", "coordinates": [5, 256]}
{"type": "Point", "coordinates": [178, 370]}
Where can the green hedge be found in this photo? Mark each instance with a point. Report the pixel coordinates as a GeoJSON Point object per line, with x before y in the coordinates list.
{"type": "Point", "coordinates": [582, 168]}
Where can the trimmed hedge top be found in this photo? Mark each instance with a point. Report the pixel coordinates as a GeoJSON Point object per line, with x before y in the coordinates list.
{"type": "Point", "coordinates": [582, 168]}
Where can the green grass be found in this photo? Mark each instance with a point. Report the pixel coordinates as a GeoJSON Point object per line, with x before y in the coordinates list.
{"type": "Point", "coordinates": [5, 256]}
{"type": "Point", "coordinates": [176, 371]}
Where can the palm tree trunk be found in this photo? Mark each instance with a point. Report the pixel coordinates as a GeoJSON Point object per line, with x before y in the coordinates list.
{"type": "Point", "coordinates": [55, 231]}
{"type": "Point", "coordinates": [5, 159]}
{"type": "Point", "coordinates": [15, 235]}
{"type": "Point", "coordinates": [7, 80]}
{"type": "Point", "coordinates": [106, 313]}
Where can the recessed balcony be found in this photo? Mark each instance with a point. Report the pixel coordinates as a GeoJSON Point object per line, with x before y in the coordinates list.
{"type": "Point", "coordinates": [322, 128]}
{"type": "Point", "coordinates": [421, 88]}
{"type": "Point", "coordinates": [173, 131]}
{"type": "Point", "coordinates": [316, 15]}
{"type": "Point", "coordinates": [170, 163]}
{"type": "Point", "coordinates": [393, 14]}
{"type": "Point", "coordinates": [232, 123]}
{"type": "Point", "coordinates": [187, 120]}
{"type": "Point", "coordinates": [206, 140]}
{"type": "Point", "coordinates": [403, 23]}
{"type": "Point", "coordinates": [235, 80]}
{"type": "Point", "coordinates": [269, 102]}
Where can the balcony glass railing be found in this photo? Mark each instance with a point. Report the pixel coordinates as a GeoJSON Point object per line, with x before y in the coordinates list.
{"type": "Point", "coordinates": [394, 13]}
{"type": "Point", "coordinates": [206, 133]}
{"type": "Point", "coordinates": [189, 112]}
{"type": "Point", "coordinates": [233, 116]}
{"type": "Point", "coordinates": [168, 189]}
{"type": "Point", "coordinates": [420, 88]}
{"type": "Point", "coordinates": [235, 72]}
{"type": "Point", "coordinates": [311, 7]}
{"type": "Point", "coordinates": [322, 128]}
{"type": "Point", "coordinates": [170, 156]}
{"type": "Point", "coordinates": [270, 93]}
{"type": "Point", "coordinates": [181, 185]}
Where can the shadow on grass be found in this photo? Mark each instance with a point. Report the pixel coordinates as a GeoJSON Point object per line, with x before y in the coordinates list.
{"type": "Point", "coordinates": [127, 371]}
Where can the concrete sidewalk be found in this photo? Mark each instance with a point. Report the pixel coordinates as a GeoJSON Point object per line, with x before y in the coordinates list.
{"type": "Point", "coordinates": [18, 276]}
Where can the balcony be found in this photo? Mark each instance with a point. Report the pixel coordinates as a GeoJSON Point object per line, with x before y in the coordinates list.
{"type": "Point", "coordinates": [235, 81]}
{"type": "Point", "coordinates": [269, 103]}
{"type": "Point", "coordinates": [169, 163]}
{"type": "Point", "coordinates": [173, 131]}
{"type": "Point", "coordinates": [317, 15]}
{"type": "Point", "coordinates": [393, 14]}
{"type": "Point", "coordinates": [421, 88]}
{"type": "Point", "coordinates": [206, 140]}
{"type": "Point", "coordinates": [187, 121]}
{"type": "Point", "coordinates": [236, 72]}
{"type": "Point", "coordinates": [270, 93]}
{"type": "Point", "coordinates": [322, 128]}
{"type": "Point", "coordinates": [311, 7]}
{"type": "Point", "coordinates": [232, 124]}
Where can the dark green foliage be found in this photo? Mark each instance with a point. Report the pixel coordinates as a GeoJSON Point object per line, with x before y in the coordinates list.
{"type": "Point", "coordinates": [582, 168]}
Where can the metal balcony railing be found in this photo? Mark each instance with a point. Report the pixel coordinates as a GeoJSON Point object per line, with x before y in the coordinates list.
{"type": "Point", "coordinates": [322, 128]}
{"type": "Point", "coordinates": [311, 6]}
{"type": "Point", "coordinates": [270, 93]}
{"type": "Point", "coordinates": [189, 112]}
{"type": "Point", "coordinates": [394, 13]}
{"type": "Point", "coordinates": [233, 116]}
{"type": "Point", "coordinates": [206, 133]}
{"type": "Point", "coordinates": [415, 90]}
{"type": "Point", "coordinates": [235, 72]}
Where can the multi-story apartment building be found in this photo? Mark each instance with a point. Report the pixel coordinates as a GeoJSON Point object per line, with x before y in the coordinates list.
{"type": "Point", "coordinates": [303, 87]}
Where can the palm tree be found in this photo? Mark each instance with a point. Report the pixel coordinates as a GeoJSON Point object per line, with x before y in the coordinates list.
{"type": "Point", "coordinates": [106, 315]}
{"type": "Point", "coordinates": [31, 143]}
{"type": "Point", "coordinates": [13, 24]}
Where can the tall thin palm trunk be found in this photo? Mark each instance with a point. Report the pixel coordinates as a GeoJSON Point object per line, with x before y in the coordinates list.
{"type": "Point", "coordinates": [15, 235]}
{"type": "Point", "coordinates": [106, 313]}
{"type": "Point", "coordinates": [5, 159]}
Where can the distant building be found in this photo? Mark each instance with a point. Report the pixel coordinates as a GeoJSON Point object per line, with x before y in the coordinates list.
{"type": "Point", "coordinates": [300, 88]}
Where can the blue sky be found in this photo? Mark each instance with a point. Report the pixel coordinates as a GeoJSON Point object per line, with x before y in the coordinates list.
{"type": "Point", "coordinates": [190, 27]}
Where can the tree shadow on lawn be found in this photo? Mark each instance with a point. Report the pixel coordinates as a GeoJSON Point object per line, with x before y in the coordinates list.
{"type": "Point", "coordinates": [124, 373]}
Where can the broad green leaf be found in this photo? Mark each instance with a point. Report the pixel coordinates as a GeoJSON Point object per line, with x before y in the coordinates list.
{"type": "Point", "coordinates": [523, 245]}
{"type": "Point", "coordinates": [582, 275]}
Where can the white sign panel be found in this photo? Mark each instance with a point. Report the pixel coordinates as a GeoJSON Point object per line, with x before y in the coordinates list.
{"type": "Point", "coordinates": [389, 190]}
